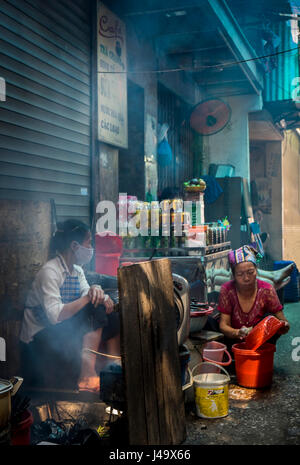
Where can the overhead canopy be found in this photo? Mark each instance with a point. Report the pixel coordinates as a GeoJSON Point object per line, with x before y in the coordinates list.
{"type": "Point", "coordinates": [200, 37]}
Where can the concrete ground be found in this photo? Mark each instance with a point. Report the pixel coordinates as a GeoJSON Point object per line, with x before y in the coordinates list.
{"type": "Point", "coordinates": [259, 417]}
{"type": "Point", "coordinates": [256, 417]}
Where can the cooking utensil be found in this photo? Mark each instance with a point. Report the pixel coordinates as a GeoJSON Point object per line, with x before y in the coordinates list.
{"type": "Point", "coordinates": [7, 390]}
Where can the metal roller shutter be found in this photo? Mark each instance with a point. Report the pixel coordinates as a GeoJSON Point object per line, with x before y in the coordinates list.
{"type": "Point", "coordinates": [175, 112]}
{"type": "Point", "coordinates": [45, 120]}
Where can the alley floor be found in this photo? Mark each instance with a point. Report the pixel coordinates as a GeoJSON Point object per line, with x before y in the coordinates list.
{"type": "Point", "coordinates": [259, 417]}
{"type": "Point", "coordinates": [268, 416]}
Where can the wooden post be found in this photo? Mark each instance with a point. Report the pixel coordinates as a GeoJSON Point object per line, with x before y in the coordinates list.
{"type": "Point", "coordinates": [150, 356]}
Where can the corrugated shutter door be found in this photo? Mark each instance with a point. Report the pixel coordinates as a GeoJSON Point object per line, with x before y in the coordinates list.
{"type": "Point", "coordinates": [45, 121]}
{"type": "Point", "coordinates": [174, 111]}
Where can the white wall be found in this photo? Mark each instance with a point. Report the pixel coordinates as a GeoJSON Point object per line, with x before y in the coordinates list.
{"type": "Point", "coordinates": [266, 171]}
{"type": "Point", "coordinates": [231, 145]}
{"type": "Point", "coordinates": [291, 197]}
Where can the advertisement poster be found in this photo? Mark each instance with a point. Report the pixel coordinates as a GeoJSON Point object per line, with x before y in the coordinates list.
{"type": "Point", "coordinates": [112, 79]}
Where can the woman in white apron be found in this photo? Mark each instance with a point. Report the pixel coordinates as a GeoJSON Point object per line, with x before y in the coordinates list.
{"type": "Point", "coordinates": [64, 316]}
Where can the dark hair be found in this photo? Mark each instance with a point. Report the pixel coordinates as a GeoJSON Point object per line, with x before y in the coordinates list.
{"type": "Point", "coordinates": [68, 231]}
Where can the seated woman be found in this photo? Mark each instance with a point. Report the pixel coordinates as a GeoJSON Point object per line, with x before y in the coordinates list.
{"type": "Point", "coordinates": [245, 300]}
{"type": "Point", "coordinates": [64, 316]}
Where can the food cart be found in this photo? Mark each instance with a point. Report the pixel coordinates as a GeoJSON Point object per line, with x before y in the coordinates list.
{"type": "Point", "coordinates": [199, 254]}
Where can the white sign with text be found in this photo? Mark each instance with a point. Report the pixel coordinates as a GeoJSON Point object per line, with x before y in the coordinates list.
{"type": "Point", "coordinates": [112, 78]}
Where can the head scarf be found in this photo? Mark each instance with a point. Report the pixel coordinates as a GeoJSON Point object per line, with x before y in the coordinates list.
{"type": "Point", "coordinates": [247, 253]}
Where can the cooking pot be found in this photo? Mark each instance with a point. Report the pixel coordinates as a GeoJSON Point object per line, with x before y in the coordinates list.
{"type": "Point", "coordinates": [7, 389]}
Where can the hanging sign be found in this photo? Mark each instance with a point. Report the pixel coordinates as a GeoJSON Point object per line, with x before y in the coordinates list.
{"type": "Point", "coordinates": [112, 78]}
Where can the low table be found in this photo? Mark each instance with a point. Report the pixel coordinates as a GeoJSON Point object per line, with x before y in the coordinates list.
{"type": "Point", "coordinates": [203, 336]}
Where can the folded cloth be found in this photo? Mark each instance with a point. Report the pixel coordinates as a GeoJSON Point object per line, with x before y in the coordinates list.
{"type": "Point", "coordinates": [246, 253]}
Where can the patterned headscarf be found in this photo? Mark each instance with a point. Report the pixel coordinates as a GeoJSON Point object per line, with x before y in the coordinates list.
{"type": "Point", "coordinates": [247, 253]}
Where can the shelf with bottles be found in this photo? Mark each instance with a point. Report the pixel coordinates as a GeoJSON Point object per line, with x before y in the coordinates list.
{"type": "Point", "coordinates": [174, 246]}
{"type": "Point", "coordinates": [133, 246]}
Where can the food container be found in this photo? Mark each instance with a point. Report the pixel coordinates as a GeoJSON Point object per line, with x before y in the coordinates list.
{"type": "Point", "coordinates": [196, 237]}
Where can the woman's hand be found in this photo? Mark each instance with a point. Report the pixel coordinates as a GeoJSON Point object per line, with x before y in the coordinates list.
{"type": "Point", "coordinates": [109, 305]}
{"type": "Point", "coordinates": [96, 295]}
{"type": "Point", "coordinates": [281, 317]}
{"type": "Point", "coordinates": [240, 333]}
{"type": "Point", "coordinates": [285, 329]}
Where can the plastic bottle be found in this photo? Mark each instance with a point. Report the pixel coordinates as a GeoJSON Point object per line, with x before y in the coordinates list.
{"type": "Point", "coordinates": [155, 215]}
{"type": "Point", "coordinates": [131, 205]}
{"type": "Point", "coordinates": [122, 210]}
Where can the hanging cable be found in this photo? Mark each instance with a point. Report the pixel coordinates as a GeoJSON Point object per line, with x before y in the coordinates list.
{"type": "Point", "coordinates": [99, 353]}
{"type": "Point", "coordinates": [220, 65]}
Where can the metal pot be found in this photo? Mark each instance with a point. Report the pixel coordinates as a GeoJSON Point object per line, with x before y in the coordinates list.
{"type": "Point", "coordinates": [7, 389]}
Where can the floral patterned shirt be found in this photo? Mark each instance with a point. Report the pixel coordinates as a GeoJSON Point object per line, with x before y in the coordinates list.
{"type": "Point", "coordinates": [266, 301]}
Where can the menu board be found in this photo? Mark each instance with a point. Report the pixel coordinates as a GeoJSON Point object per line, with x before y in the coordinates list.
{"type": "Point", "coordinates": [112, 78]}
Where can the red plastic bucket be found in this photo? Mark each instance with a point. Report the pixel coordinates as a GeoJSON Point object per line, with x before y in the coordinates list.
{"type": "Point", "coordinates": [20, 433]}
{"type": "Point", "coordinates": [254, 368]}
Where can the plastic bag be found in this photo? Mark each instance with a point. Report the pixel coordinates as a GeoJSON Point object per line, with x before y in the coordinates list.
{"type": "Point", "coordinates": [164, 153]}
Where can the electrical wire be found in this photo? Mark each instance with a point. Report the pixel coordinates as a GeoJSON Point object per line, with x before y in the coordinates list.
{"type": "Point", "coordinates": [220, 65]}
{"type": "Point", "coordinates": [99, 353]}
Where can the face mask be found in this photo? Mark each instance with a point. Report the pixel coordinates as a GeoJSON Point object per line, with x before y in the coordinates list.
{"type": "Point", "coordinates": [83, 255]}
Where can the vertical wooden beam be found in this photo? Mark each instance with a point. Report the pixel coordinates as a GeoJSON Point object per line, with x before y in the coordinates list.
{"type": "Point", "coordinates": [150, 356]}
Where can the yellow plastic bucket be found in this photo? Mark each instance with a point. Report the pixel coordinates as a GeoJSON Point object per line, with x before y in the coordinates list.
{"type": "Point", "coordinates": [211, 392]}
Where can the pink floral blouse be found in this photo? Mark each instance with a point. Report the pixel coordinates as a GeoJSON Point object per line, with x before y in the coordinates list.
{"type": "Point", "coordinates": [266, 301]}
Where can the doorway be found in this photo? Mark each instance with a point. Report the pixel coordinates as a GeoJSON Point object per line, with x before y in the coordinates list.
{"type": "Point", "coordinates": [131, 160]}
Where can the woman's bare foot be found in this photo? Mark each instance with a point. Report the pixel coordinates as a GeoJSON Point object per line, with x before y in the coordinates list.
{"type": "Point", "coordinates": [281, 275]}
{"type": "Point", "coordinates": [88, 380]}
{"type": "Point", "coordinates": [89, 383]}
{"type": "Point", "coordinates": [282, 283]}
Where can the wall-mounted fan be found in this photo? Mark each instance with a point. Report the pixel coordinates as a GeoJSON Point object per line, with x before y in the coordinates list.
{"type": "Point", "coordinates": [210, 116]}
